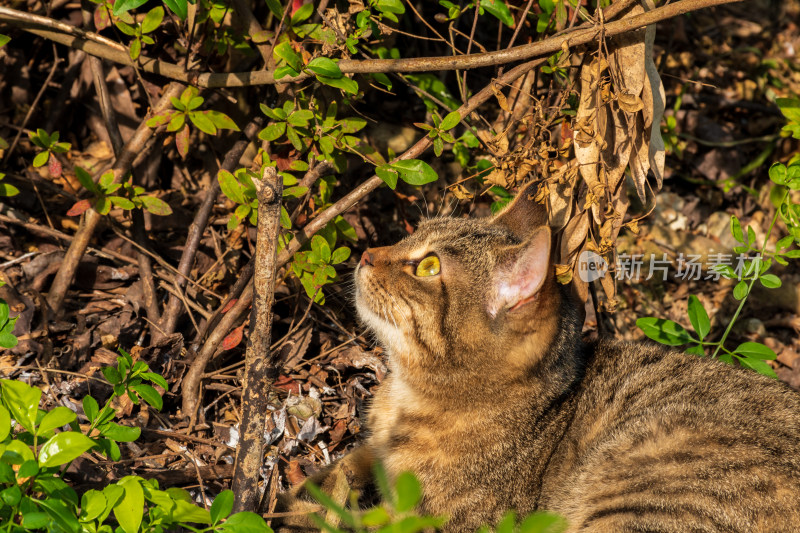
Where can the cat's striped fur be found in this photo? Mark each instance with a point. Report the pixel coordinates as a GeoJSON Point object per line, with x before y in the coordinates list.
{"type": "Point", "coordinates": [495, 403]}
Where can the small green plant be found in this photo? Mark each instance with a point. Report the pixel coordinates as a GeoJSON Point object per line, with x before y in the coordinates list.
{"type": "Point", "coordinates": [34, 457]}
{"type": "Point", "coordinates": [397, 512]}
{"type": "Point", "coordinates": [314, 267]}
{"type": "Point", "coordinates": [139, 31]}
{"type": "Point", "coordinates": [186, 107]}
{"type": "Point", "coordinates": [439, 132]}
{"type": "Point", "coordinates": [7, 323]}
{"type": "Point", "coordinates": [133, 197]}
{"type": "Point", "coordinates": [49, 144]}
{"type": "Point", "coordinates": [752, 269]}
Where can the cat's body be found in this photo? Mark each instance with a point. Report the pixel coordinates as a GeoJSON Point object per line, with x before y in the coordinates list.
{"type": "Point", "coordinates": [495, 403]}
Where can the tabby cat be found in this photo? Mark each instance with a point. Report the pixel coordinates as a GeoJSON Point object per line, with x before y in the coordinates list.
{"type": "Point", "coordinates": [495, 403]}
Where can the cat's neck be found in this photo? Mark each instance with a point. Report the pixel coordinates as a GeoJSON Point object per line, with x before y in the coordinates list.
{"type": "Point", "coordinates": [536, 368]}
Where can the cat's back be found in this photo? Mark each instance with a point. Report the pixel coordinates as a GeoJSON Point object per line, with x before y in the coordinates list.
{"type": "Point", "coordinates": [665, 441]}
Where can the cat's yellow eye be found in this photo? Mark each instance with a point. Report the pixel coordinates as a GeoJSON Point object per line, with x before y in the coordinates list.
{"type": "Point", "coordinates": [428, 267]}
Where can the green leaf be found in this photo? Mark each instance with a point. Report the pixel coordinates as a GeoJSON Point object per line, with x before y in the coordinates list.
{"type": "Point", "coordinates": [135, 49]}
{"type": "Point", "coordinates": [409, 491]}
{"type": "Point", "coordinates": [698, 317]}
{"type": "Point", "coordinates": [90, 408]}
{"type": "Point", "coordinates": [202, 122]}
{"type": "Point", "coordinates": [790, 107]}
{"type": "Point", "coordinates": [777, 173]}
{"type": "Point", "coordinates": [111, 374]}
{"type": "Point", "coordinates": [130, 509]}
{"type": "Point", "coordinates": [28, 469]}
{"type": "Point", "coordinates": [770, 281]}
{"type": "Point", "coordinates": [221, 120]}
{"type": "Point", "coordinates": [383, 79]}
{"type": "Point", "coordinates": [149, 394]}
{"type": "Point", "coordinates": [119, 433]}
{"type": "Point", "coordinates": [390, 6]}
{"type": "Point", "coordinates": [324, 66]}
{"type": "Point", "coordinates": [274, 114]}
{"type": "Point", "coordinates": [122, 203]}
{"type": "Point", "coordinates": [450, 121]}
{"type": "Point", "coordinates": [11, 495]}
{"type": "Point", "coordinates": [245, 522]}
{"type": "Point", "coordinates": [302, 13]}
{"type": "Point", "coordinates": [35, 520]}
{"type": "Point", "coordinates": [93, 503]}
{"type": "Point", "coordinates": [543, 522]}
{"type": "Point", "coordinates": [153, 19]}
{"type": "Point", "coordinates": [438, 146]}
{"type": "Point", "coordinates": [123, 6]}
{"type": "Point", "coordinates": [41, 159]}
{"type": "Point", "coordinates": [8, 340]}
{"type": "Point", "coordinates": [388, 175]}
{"type": "Point", "coordinates": [273, 131]}
{"type": "Point", "coordinates": [294, 138]}
{"type": "Point", "coordinates": [157, 379]}
{"type": "Point", "coordinates": [414, 171]}
{"type": "Point", "coordinates": [156, 206]}
{"type": "Point", "coordinates": [222, 506]}
{"type": "Point", "coordinates": [102, 205]}
{"type": "Point", "coordinates": [286, 70]}
{"type": "Point", "coordinates": [352, 124]}
{"type": "Point", "coordinates": [697, 350]}
{"type": "Point", "coordinates": [664, 331]}
{"type": "Point", "coordinates": [755, 350]}
{"type": "Point", "coordinates": [376, 517]}
{"type": "Point", "coordinates": [5, 423]}
{"type": "Point", "coordinates": [300, 118]}
{"type": "Point", "coordinates": [285, 51]}
{"type": "Point", "coordinates": [499, 10]}
{"type": "Point", "coordinates": [4, 39]}
{"type": "Point", "coordinates": [61, 514]}
{"type": "Point", "coordinates": [759, 366]}
{"type": "Point", "coordinates": [343, 83]}
{"type": "Point", "coordinates": [740, 290]}
{"type": "Point", "coordinates": [63, 448]}
{"type": "Point", "coordinates": [59, 416]}
{"type": "Point", "coordinates": [275, 7]}
{"type": "Point", "coordinates": [189, 512]}
{"type": "Point", "coordinates": [320, 247]}
{"type": "Point", "coordinates": [179, 7]}
{"type": "Point", "coordinates": [8, 190]}
{"type": "Point", "coordinates": [22, 401]}
{"type": "Point", "coordinates": [340, 255]}
{"type": "Point", "coordinates": [176, 122]}
{"type": "Point", "coordinates": [294, 192]}
{"type": "Point", "coordinates": [736, 230]}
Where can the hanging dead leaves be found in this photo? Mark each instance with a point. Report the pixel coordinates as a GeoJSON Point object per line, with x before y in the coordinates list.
{"type": "Point", "coordinates": [617, 127]}
{"type": "Point", "coordinates": [582, 165]}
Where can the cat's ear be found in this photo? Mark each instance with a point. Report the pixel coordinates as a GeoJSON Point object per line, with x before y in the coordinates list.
{"type": "Point", "coordinates": [519, 280]}
{"type": "Point", "coordinates": [523, 215]}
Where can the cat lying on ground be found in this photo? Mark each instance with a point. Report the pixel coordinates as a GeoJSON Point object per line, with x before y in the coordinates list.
{"type": "Point", "coordinates": [495, 403]}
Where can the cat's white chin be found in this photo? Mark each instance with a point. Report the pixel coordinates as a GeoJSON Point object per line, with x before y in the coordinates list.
{"type": "Point", "coordinates": [391, 337]}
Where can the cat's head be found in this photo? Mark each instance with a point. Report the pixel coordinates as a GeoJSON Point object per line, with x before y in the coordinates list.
{"type": "Point", "coordinates": [463, 297]}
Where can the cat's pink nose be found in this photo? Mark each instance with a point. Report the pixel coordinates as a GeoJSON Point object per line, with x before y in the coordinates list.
{"type": "Point", "coordinates": [367, 259]}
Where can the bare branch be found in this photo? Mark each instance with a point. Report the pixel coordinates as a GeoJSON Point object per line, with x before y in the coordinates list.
{"type": "Point", "coordinates": [96, 45]}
